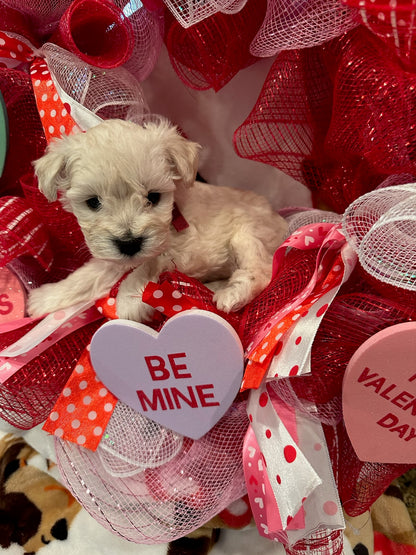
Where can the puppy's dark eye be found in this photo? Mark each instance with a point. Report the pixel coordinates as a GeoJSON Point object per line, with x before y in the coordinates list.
{"type": "Point", "coordinates": [153, 197]}
{"type": "Point", "coordinates": [93, 203]}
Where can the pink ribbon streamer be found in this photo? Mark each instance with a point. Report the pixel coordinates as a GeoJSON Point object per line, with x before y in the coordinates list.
{"type": "Point", "coordinates": [290, 470]}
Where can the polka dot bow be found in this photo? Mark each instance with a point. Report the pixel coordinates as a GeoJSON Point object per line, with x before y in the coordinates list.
{"type": "Point", "coordinates": [54, 114]}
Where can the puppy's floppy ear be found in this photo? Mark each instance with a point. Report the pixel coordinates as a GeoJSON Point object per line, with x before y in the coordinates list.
{"type": "Point", "coordinates": [183, 156]}
{"type": "Point", "coordinates": [51, 170]}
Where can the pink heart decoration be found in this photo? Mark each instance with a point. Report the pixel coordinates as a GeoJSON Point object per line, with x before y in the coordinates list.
{"type": "Point", "coordinates": [379, 396]}
{"type": "Point", "coordinates": [185, 377]}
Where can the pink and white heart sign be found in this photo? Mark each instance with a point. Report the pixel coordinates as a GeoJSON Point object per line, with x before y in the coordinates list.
{"type": "Point", "coordinates": [379, 396]}
{"type": "Point", "coordinates": [185, 377]}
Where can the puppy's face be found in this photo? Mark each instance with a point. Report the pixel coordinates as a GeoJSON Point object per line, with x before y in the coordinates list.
{"type": "Point", "coordinates": [119, 180]}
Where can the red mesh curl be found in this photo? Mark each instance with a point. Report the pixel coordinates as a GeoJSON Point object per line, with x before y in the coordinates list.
{"type": "Point", "coordinates": [26, 138]}
{"type": "Point", "coordinates": [338, 118]}
{"type": "Point", "coordinates": [291, 278]}
{"type": "Point", "coordinates": [65, 236]}
{"type": "Point", "coordinates": [394, 23]}
{"type": "Point", "coordinates": [360, 483]}
{"type": "Point", "coordinates": [22, 233]}
{"type": "Point", "coordinates": [293, 24]}
{"type": "Point", "coordinates": [210, 53]}
{"type": "Point", "coordinates": [43, 14]}
{"type": "Point", "coordinates": [16, 21]}
{"type": "Point", "coordinates": [97, 32]}
{"type": "Point", "coordinates": [28, 396]}
{"type": "Point", "coordinates": [322, 542]}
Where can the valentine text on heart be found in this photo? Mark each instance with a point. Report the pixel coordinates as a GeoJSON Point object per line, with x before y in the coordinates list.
{"type": "Point", "coordinates": [174, 397]}
{"type": "Point", "coordinates": [401, 422]}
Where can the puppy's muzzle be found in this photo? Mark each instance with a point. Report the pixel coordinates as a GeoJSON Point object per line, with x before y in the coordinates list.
{"type": "Point", "coordinates": [129, 247]}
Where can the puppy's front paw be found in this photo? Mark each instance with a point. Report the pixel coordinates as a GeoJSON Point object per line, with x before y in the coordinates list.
{"type": "Point", "coordinates": [133, 308]}
{"type": "Point", "coordinates": [230, 298]}
{"type": "Point", "coordinates": [43, 300]}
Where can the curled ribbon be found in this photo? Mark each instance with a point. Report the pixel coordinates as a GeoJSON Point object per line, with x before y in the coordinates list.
{"type": "Point", "coordinates": [291, 471]}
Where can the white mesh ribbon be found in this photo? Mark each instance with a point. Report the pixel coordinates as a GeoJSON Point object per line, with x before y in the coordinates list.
{"type": "Point", "coordinates": [293, 24]}
{"type": "Point", "coordinates": [381, 227]}
{"type": "Point", "coordinates": [150, 485]}
{"type": "Point", "coordinates": [94, 94]}
{"type": "Point", "coordinates": [189, 12]}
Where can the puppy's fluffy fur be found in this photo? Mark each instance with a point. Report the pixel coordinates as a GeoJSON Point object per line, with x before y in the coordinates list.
{"type": "Point", "coordinates": [121, 181]}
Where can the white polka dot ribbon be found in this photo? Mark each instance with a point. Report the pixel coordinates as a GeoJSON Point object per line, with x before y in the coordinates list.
{"type": "Point", "coordinates": [54, 113]}
{"type": "Point", "coordinates": [292, 476]}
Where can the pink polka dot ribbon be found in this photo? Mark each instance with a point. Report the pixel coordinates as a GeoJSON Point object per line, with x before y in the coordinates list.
{"type": "Point", "coordinates": [293, 476]}
{"type": "Point", "coordinates": [54, 114]}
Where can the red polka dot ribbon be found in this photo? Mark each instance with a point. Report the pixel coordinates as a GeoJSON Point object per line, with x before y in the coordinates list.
{"type": "Point", "coordinates": [291, 472]}
{"type": "Point", "coordinates": [54, 114]}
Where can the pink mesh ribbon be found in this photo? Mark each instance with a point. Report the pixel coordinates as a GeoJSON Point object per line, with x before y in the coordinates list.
{"type": "Point", "coordinates": [211, 52]}
{"type": "Point", "coordinates": [298, 122]}
{"type": "Point", "coordinates": [293, 24]}
{"type": "Point", "coordinates": [381, 228]}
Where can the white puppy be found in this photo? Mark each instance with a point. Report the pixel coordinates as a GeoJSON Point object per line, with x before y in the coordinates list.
{"type": "Point", "coordinates": [122, 182]}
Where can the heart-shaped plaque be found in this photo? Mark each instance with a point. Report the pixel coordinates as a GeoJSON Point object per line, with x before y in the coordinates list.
{"type": "Point", "coordinates": [185, 377]}
{"type": "Point", "coordinates": [379, 396]}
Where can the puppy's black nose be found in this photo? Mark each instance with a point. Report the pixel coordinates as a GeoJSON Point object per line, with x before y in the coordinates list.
{"type": "Point", "coordinates": [129, 246]}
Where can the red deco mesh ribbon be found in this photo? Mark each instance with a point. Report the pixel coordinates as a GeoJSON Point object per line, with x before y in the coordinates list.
{"type": "Point", "coordinates": [299, 121]}
{"type": "Point", "coordinates": [101, 33]}
{"type": "Point", "coordinates": [211, 52]}
{"type": "Point", "coordinates": [22, 233]}
{"type": "Point", "coordinates": [26, 138]}
{"type": "Point", "coordinates": [27, 397]}
{"type": "Point", "coordinates": [393, 22]}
